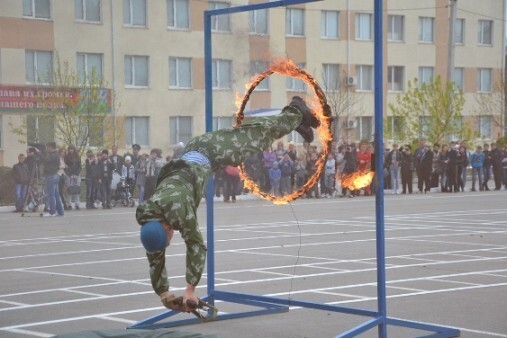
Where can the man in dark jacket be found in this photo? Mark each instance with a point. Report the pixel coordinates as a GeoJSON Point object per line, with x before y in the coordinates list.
{"type": "Point", "coordinates": [21, 178]}
{"type": "Point", "coordinates": [496, 164]}
{"type": "Point", "coordinates": [51, 167]}
{"type": "Point", "coordinates": [424, 168]}
{"type": "Point", "coordinates": [106, 167]}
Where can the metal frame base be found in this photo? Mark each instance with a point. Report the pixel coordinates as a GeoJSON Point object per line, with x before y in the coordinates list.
{"type": "Point", "coordinates": [271, 305]}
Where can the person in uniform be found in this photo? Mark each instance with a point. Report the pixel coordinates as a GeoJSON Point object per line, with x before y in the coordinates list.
{"type": "Point", "coordinates": [180, 188]}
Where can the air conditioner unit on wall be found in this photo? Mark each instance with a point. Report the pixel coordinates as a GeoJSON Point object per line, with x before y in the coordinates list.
{"type": "Point", "coordinates": [351, 81]}
{"type": "Point", "coordinates": [350, 123]}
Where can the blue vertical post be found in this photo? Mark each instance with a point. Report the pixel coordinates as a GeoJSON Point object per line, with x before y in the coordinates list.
{"type": "Point", "coordinates": [208, 104]}
{"type": "Point", "coordinates": [379, 165]}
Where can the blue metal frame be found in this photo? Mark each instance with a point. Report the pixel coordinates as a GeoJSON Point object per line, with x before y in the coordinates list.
{"type": "Point", "coordinates": [272, 305]}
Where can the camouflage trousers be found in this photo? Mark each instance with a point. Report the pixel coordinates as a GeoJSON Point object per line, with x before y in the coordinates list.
{"type": "Point", "coordinates": [233, 146]}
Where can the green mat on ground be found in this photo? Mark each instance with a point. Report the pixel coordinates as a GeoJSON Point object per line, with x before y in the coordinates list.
{"type": "Point", "coordinates": [159, 333]}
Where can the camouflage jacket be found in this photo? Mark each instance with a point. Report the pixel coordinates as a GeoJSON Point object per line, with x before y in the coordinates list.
{"type": "Point", "coordinates": [180, 187]}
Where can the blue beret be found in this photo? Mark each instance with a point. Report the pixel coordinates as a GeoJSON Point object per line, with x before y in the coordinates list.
{"type": "Point", "coordinates": [153, 236]}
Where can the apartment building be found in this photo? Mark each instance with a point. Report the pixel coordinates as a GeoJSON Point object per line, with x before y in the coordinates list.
{"type": "Point", "coordinates": [151, 54]}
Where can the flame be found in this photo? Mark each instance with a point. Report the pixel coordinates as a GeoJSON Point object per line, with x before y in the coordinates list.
{"type": "Point", "coordinates": [357, 180]}
{"type": "Point", "coordinates": [316, 103]}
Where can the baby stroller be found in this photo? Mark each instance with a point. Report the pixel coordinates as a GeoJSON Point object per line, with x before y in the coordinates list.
{"type": "Point", "coordinates": [123, 195]}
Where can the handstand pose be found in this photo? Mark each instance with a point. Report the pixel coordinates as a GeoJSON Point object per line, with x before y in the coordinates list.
{"type": "Point", "coordinates": [181, 183]}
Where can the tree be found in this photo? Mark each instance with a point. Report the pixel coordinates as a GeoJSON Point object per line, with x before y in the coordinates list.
{"type": "Point", "coordinates": [75, 103]}
{"type": "Point", "coordinates": [429, 110]}
{"type": "Point", "coordinates": [493, 104]}
{"type": "Point", "coordinates": [343, 102]}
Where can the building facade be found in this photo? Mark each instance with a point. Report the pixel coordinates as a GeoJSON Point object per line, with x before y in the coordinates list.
{"type": "Point", "coordinates": [151, 53]}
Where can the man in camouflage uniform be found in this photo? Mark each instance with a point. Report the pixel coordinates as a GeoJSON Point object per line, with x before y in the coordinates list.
{"type": "Point", "coordinates": [180, 188]}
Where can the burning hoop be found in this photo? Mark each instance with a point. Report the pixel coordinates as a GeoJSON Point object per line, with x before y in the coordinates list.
{"type": "Point", "coordinates": [289, 68]}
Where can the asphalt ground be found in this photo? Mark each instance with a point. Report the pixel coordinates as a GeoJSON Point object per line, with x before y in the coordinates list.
{"type": "Point", "coordinates": [446, 265]}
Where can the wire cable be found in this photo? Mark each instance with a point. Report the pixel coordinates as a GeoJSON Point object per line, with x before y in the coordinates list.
{"type": "Point", "coordinates": [298, 255]}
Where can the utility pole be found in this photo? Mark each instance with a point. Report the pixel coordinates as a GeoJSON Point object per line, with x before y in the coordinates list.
{"type": "Point", "coordinates": [450, 54]}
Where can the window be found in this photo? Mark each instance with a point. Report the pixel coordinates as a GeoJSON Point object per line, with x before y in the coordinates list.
{"type": "Point", "coordinates": [222, 122]}
{"type": "Point", "coordinates": [87, 10]}
{"type": "Point", "coordinates": [38, 66]}
{"type": "Point", "coordinates": [364, 78]}
{"type": "Point", "coordinates": [257, 67]}
{"type": "Point", "coordinates": [136, 71]}
{"type": "Point", "coordinates": [395, 126]}
{"type": "Point", "coordinates": [88, 65]}
{"type": "Point", "coordinates": [331, 77]}
{"type": "Point", "coordinates": [484, 80]}
{"type": "Point", "coordinates": [457, 124]}
{"type": "Point", "coordinates": [220, 23]}
{"type": "Point", "coordinates": [258, 21]}
{"type": "Point", "coordinates": [294, 22]}
{"type": "Point", "coordinates": [295, 137]}
{"type": "Point", "coordinates": [221, 74]}
{"type": "Point", "coordinates": [485, 126]}
{"type": "Point", "coordinates": [93, 128]}
{"type": "Point", "coordinates": [395, 78]}
{"type": "Point", "coordinates": [364, 128]}
{"type": "Point", "coordinates": [295, 85]}
{"type": "Point", "coordinates": [485, 32]}
{"type": "Point", "coordinates": [424, 126]}
{"type": "Point", "coordinates": [180, 73]}
{"type": "Point", "coordinates": [426, 75]}
{"type": "Point", "coordinates": [180, 129]}
{"type": "Point", "coordinates": [37, 9]}
{"type": "Point", "coordinates": [177, 14]}
{"type": "Point", "coordinates": [364, 27]}
{"type": "Point", "coordinates": [40, 129]}
{"type": "Point", "coordinates": [459, 78]}
{"type": "Point", "coordinates": [395, 27]}
{"type": "Point", "coordinates": [134, 12]}
{"type": "Point", "coordinates": [330, 24]}
{"type": "Point", "coordinates": [137, 130]}
{"type": "Point", "coordinates": [459, 31]}
{"type": "Point", "coordinates": [426, 29]}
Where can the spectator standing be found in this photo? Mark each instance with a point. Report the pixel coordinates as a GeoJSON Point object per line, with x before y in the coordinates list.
{"type": "Point", "coordinates": [21, 177]}
{"type": "Point", "coordinates": [92, 176]}
{"type": "Point", "coordinates": [293, 157]}
{"type": "Point", "coordinates": [461, 164]}
{"type": "Point", "coordinates": [275, 176]}
{"type": "Point", "coordinates": [406, 170]}
{"type": "Point", "coordinates": [106, 168]}
{"type": "Point", "coordinates": [287, 169]}
{"type": "Point", "coordinates": [393, 163]}
{"type": "Point", "coordinates": [300, 172]}
{"type": "Point", "coordinates": [62, 183]}
{"type": "Point", "coordinates": [441, 167]}
{"type": "Point", "coordinates": [486, 168]}
{"type": "Point", "coordinates": [136, 148]}
{"type": "Point", "coordinates": [364, 164]}
{"type": "Point", "coordinates": [452, 168]}
{"type": "Point", "coordinates": [129, 172]}
{"type": "Point", "coordinates": [467, 155]}
{"type": "Point", "coordinates": [280, 151]}
{"type": "Point", "coordinates": [116, 159]}
{"type": "Point", "coordinates": [253, 167]}
{"type": "Point", "coordinates": [231, 183]}
{"type": "Point", "coordinates": [140, 169]}
{"type": "Point", "coordinates": [424, 168]}
{"type": "Point", "coordinates": [268, 158]}
{"type": "Point", "coordinates": [350, 166]}
{"type": "Point", "coordinates": [73, 176]}
{"type": "Point", "coordinates": [311, 168]}
{"type": "Point", "coordinates": [496, 164]}
{"type": "Point", "coordinates": [504, 166]}
{"type": "Point", "coordinates": [477, 160]}
{"type": "Point", "coordinates": [178, 150]}
{"type": "Point", "coordinates": [153, 167]}
{"type": "Point", "coordinates": [51, 168]}
{"type": "Point", "coordinates": [330, 174]}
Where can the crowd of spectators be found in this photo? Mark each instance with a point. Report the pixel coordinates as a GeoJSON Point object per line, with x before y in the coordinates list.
{"type": "Point", "coordinates": [279, 171]}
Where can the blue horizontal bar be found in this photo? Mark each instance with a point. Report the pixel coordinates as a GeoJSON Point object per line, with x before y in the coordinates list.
{"type": "Point", "coordinates": [254, 7]}
{"type": "Point", "coordinates": [440, 331]}
{"type": "Point", "coordinates": [232, 297]}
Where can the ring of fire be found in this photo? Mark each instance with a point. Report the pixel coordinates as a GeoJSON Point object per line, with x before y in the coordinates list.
{"type": "Point", "coordinates": [318, 106]}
